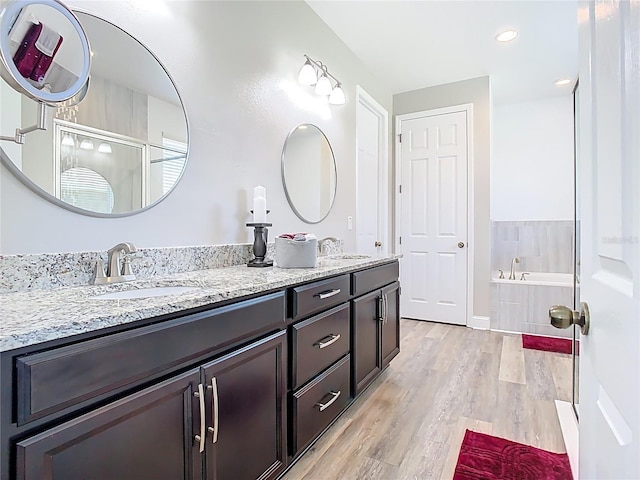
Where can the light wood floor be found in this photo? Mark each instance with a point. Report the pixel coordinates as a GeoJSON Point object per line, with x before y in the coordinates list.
{"type": "Point", "coordinates": [409, 424]}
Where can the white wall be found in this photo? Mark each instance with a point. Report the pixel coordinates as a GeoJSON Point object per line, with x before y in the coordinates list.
{"type": "Point", "coordinates": [532, 160]}
{"type": "Point", "coordinates": [235, 65]}
{"type": "Point", "coordinates": [477, 92]}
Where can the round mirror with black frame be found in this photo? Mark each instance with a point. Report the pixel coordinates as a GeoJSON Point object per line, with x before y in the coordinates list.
{"type": "Point", "coordinates": [309, 173]}
{"type": "Point", "coordinates": [126, 142]}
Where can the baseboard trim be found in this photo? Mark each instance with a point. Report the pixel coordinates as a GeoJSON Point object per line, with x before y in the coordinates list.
{"type": "Point", "coordinates": [478, 322]}
{"type": "Point", "coordinates": [569, 427]}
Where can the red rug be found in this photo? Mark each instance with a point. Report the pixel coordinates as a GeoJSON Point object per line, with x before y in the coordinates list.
{"type": "Point", "coordinates": [484, 457]}
{"type": "Point", "coordinates": [548, 344]}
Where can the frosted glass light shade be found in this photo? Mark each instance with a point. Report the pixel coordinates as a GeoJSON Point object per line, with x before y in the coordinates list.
{"type": "Point", "coordinates": [323, 87]}
{"type": "Point", "coordinates": [104, 147]}
{"type": "Point", "coordinates": [337, 96]}
{"type": "Point", "coordinates": [307, 75]}
{"type": "Point", "coordinates": [67, 141]}
{"type": "Point", "coordinates": [86, 144]}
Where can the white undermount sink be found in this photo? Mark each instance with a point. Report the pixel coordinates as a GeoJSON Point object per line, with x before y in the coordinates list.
{"type": "Point", "coordinates": [144, 293]}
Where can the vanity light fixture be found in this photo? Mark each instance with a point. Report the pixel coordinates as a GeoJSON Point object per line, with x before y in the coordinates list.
{"type": "Point", "coordinates": [506, 36]}
{"type": "Point", "coordinates": [104, 147]}
{"type": "Point", "coordinates": [68, 141]}
{"type": "Point", "coordinates": [562, 82]}
{"type": "Point", "coordinates": [316, 73]}
{"type": "Point", "coordinates": [86, 144]}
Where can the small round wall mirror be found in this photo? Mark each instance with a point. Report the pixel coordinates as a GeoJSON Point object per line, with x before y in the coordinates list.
{"type": "Point", "coordinates": [44, 51]}
{"type": "Point", "coordinates": [121, 150]}
{"type": "Point", "coordinates": [309, 173]}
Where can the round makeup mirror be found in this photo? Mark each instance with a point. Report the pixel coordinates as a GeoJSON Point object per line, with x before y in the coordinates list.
{"type": "Point", "coordinates": [119, 151]}
{"type": "Point", "coordinates": [309, 173]}
{"type": "Point", "coordinates": [44, 51]}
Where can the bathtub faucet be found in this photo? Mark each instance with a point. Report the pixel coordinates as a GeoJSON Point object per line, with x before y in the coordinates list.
{"type": "Point", "coordinates": [512, 275]}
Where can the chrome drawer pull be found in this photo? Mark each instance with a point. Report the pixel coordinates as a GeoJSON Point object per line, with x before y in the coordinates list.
{"type": "Point", "coordinates": [327, 294]}
{"type": "Point", "coordinates": [321, 344]}
{"type": "Point", "coordinates": [201, 438]}
{"type": "Point", "coordinates": [324, 406]}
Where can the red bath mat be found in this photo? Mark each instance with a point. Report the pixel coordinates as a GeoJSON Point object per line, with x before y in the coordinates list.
{"type": "Point", "coordinates": [548, 344]}
{"type": "Point", "coordinates": [485, 457]}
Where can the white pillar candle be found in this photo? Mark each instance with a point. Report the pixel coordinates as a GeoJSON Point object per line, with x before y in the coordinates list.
{"type": "Point", "coordinates": [260, 191]}
{"type": "Point", "coordinates": [259, 210]}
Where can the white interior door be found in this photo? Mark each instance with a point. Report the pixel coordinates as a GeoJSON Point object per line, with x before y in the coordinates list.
{"type": "Point", "coordinates": [433, 217]}
{"type": "Point", "coordinates": [609, 133]}
{"type": "Point", "coordinates": [372, 235]}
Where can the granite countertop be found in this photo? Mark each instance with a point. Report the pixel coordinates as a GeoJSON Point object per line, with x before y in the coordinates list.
{"type": "Point", "coordinates": [32, 317]}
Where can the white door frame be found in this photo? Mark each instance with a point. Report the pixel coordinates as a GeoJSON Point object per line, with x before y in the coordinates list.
{"type": "Point", "coordinates": [366, 100]}
{"type": "Point", "coordinates": [468, 108]}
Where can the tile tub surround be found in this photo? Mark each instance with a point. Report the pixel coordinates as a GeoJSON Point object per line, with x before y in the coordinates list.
{"type": "Point", "coordinates": [53, 270]}
{"type": "Point", "coordinates": [541, 246]}
{"type": "Point", "coordinates": [36, 316]}
{"type": "Point", "coordinates": [524, 307]}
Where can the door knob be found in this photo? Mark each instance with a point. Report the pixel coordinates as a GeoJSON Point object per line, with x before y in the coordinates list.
{"type": "Point", "coordinates": [564, 317]}
{"type": "Point", "coordinates": [378, 244]}
{"type": "Point", "coordinates": [460, 244]}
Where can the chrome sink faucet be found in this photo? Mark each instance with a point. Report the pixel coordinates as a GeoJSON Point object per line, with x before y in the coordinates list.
{"type": "Point", "coordinates": [321, 243]}
{"type": "Point", "coordinates": [512, 275]}
{"type": "Point", "coordinates": [118, 267]}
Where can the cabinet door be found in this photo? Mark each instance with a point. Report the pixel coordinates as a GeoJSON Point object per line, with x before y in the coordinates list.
{"type": "Point", "coordinates": [391, 324]}
{"type": "Point", "coordinates": [366, 313]}
{"type": "Point", "coordinates": [147, 435]}
{"type": "Point", "coordinates": [246, 417]}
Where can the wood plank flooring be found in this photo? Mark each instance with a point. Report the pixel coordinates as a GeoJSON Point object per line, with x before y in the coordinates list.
{"type": "Point", "coordinates": [410, 423]}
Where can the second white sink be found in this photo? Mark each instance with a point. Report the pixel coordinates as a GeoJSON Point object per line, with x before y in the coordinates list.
{"type": "Point", "coordinates": [144, 293]}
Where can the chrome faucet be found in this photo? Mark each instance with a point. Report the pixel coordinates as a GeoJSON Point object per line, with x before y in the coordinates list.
{"type": "Point", "coordinates": [512, 275]}
{"type": "Point", "coordinates": [118, 267]}
{"type": "Point", "coordinates": [323, 241]}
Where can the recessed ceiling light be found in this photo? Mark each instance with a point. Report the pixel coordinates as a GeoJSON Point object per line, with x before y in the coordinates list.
{"type": "Point", "coordinates": [562, 82]}
{"type": "Point", "coordinates": [506, 36]}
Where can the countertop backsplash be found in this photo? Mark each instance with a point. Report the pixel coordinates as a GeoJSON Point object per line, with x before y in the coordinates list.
{"type": "Point", "coordinates": [53, 270]}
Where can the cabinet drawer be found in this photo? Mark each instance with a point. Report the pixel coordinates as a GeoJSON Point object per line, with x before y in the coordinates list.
{"type": "Point", "coordinates": [316, 405]}
{"type": "Point", "coordinates": [372, 278]}
{"type": "Point", "coordinates": [65, 377]}
{"type": "Point", "coordinates": [318, 342]}
{"type": "Point", "coordinates": [317, 296]}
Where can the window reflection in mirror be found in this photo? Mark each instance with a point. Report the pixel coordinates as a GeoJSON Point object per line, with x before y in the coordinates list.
{"type": "Point", "coordinates": [133, 117]}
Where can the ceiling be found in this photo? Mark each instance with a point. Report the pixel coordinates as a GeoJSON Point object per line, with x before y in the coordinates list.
{"type": "Point", "coordinates": [416, 44]}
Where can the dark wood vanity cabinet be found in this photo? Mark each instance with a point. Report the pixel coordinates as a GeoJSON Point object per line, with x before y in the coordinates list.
{"type": "Point", "coordinates": [375, 323]}
{"type": "Point", "coordinates": [229, 409]}
{"type": "Point", "coordinates": [233, 392]}
{"type": "Point", "coordinates": [245, 398]}
{"type": "Point", "coordinates": [147, 435]}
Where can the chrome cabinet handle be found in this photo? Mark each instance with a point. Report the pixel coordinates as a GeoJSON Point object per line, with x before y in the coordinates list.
{"type": "Point", "coordinates": [333, 339]}
{"type": "Point", "coordinates": [328, 293]}
{"type": "Point", "coordinates": [380, 309]}
{"type": "Point", "coordinates": [201, 438]}
{"type": "Point", "coordinates": [385, 301]}
{"type": "Point", "coordinates": [214, 429]}
{"type": "Point", "coordinates": [324, 406]}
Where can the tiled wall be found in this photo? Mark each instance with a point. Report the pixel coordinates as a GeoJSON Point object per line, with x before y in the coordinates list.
{"type": "Point", "coordinates": [524, 308]}
{"type": "Point", "coordinates": [541, 246]}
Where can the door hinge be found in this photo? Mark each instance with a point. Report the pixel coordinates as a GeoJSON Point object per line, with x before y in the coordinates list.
{"type": "Point", "coordinates": [400, 240]}
{"type": "Point", "coordinates": [400, 188]}
{"type": "Point", "coordinates": [400, 137]}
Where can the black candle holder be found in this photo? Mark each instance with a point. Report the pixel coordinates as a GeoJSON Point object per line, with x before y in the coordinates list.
{"type": "Point", "coordinates": [260, 237]}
